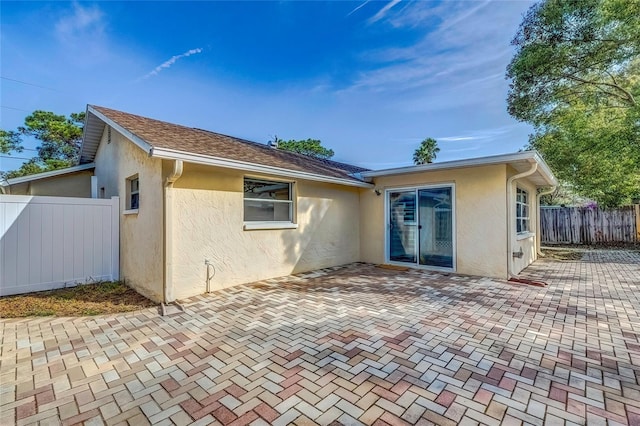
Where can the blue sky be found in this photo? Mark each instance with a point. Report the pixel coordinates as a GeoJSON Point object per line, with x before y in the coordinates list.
{"type": "Point", "coordinates": [371, 79]}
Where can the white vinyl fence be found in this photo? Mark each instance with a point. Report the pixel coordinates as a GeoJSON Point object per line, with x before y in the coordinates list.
{"type": "Point", "coordinates": [54, 242]}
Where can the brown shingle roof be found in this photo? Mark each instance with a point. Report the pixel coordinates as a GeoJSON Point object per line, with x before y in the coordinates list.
{"type": "Point", "coordinates": [160, 134]}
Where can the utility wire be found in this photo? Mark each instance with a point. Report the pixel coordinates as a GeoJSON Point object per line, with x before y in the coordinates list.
{"type": "Point", "coordinates": [17, 109]}
{"type": "Point", "coordinates": [15, 158]}
{"type": "Point", "coordinates": [27, 83]}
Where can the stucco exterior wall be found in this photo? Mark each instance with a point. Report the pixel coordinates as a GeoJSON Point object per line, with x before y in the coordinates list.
{"type": "Point", "coordinates": [208, 225]}
{"type": "Point", "coordinates": [480, 217]}
{"type": "Point", "coordinates": [76, 184]}
{"type": "Point", "coordinates": [141, 234]}
{"type": "Point", "coordinates": [524, 241]}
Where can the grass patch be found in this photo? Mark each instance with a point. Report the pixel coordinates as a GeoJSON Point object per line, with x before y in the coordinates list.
{"type": "Point", "coordinates": [82, 300]}
{"type": "Point", "coordinates": [559, 254]}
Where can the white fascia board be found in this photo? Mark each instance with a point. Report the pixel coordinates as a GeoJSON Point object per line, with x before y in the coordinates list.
{"type": "Point", "coordinates": [52, 173]}
{"type": "Point", "coordinates": [531, 156]}
{"type": "Point", "coordinates": [544, 167]}
{"type": "Point", "coordinates": [171, 154]}
{"type": "Point", "coordinates": [144, 145]}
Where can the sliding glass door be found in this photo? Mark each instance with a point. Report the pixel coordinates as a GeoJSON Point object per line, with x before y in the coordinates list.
{"type": "Point", "coordinates": [402, 226]}
{"type": "Point", "coordinates": [421, 226]}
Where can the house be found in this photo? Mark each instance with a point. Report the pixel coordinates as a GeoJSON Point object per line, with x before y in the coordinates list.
{"type": "Point", "coordinates": [70, 182]}
{"type": "Point", "coordinates": [202, 211]}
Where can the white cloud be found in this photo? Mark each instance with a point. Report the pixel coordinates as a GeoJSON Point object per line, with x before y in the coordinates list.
{"type": "Point", "coordinates": [83, 22]}
{"type": "Point", "coordinates": [358, 7]}
{"type": "Point", "coordinates": [167, 64]}
{"type": "Point", "coordinates": [382, 12]}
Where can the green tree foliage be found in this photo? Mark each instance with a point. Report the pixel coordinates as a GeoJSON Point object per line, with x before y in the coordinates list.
{"type": "Point", "coordinates": [426, 152]}
{"type": "Point", "coordinates": [310, 147]}
{"type": "Point", "coordinates": [60, 138]}
{"type": "Point", "coordinates": [576, 78]}
{"type": "Point", "coordinates": [9, 142]}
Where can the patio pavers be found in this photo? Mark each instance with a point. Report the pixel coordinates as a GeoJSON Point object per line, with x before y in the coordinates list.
{"type": "Point", "coordinates": [348, 345]}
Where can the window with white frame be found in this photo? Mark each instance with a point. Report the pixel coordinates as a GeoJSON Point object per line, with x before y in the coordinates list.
{"type": "Point", "coordinates": [522, 211]}
{"type": "Point", "coordinates": [267, 201]}
{"type": "Point", "coordinates": [133, 193]}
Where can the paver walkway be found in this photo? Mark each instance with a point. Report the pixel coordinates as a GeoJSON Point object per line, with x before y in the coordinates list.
{"type": "Point", "coordinates": [357, 344]}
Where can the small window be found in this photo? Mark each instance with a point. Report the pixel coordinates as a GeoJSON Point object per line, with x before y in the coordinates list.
{"type": "Point", "coordinates": [133, 193]}
{"type": "Point", "coordinates": [522, 211]}
{"type": "Point", "coordinates": [267, 201]}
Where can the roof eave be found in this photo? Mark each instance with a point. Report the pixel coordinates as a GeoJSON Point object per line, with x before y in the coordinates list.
{"type": "Point", "coordinates": [189, 157]}
{"type": "Point", "coordinates": [141, 143]}
{"type": "Point", "coordinates": [44, 175]}
{"type": "Point", "coordinates": [531, 156]}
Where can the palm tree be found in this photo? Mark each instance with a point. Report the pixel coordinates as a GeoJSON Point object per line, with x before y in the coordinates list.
{"type": "Point", "coordinates": [426, 152]}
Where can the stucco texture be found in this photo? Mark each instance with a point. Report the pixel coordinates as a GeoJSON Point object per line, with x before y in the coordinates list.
{"type": "Point", "coordinates": [525, 242]}
{"type": "Point", "coordinates": [480, 217]}
{"type": "Point", "coordinates": [76, 184]}
{"type": "Point", "coordinates": [207, 224]}
{"type": "Point", "coordinates": [141, 234]}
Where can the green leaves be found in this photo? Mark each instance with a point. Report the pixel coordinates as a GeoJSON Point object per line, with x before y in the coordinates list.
{"type": "Point", "coordinates": [10, 141]}
{"type": "Point", "coordinates": [426, 152]}
{"type": "Point", "coordinates": [60, 139]}
{"type": "Point", "coordinates": [576, 78]}
{"type": "Point", "coordinates": [310, 147]}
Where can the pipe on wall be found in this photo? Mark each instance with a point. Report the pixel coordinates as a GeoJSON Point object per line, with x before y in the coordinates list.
{"type": "Point", "coordinates": [167, 282]}
{"type": "Point", "coordinates": [510, 217]}
{"type": "Point", "coordinates": [539, 224]}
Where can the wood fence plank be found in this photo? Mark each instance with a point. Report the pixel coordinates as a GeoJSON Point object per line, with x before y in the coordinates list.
{"type": "Point", "coordinates": [587, 225]}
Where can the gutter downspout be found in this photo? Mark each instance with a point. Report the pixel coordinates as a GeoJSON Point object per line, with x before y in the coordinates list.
{"type": "Point", "coordinates": [511, 219]}
{"type": "Point", "coordinates": [539, 224]}
{"type": "Point", "coordinates": [168, 222]}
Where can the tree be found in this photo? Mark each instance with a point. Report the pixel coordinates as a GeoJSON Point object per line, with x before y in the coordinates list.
{"type": "Point", "coordinates": [576, 78]}
{"type": "Point", "coordinates": [9, 142]}
{"type": "Point", "coordinates": [426, 152]}
{"type": "Point", "coordinates": [60, 138]}
{"type": "Point", "coordinates": [310, 147]}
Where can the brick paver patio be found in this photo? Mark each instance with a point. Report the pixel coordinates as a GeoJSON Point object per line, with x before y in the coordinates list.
{"type": "Point", "coordinates": [357, 344]}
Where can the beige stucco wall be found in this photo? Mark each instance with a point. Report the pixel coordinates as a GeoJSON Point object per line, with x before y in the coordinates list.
{"type": "Point", "coordinates": [526, 241]}
{"type": "Point", "coordinates": [141, 234]}
{"type": "Point", "coordinates": [480, 217]}
{"type": "Point", "coordinates": [208, 225]}
{"type": "Point", "coordinates": [77, 184]}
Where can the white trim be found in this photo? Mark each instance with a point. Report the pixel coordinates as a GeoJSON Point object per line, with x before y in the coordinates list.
{"type": "Point", "coordinates": [209, 160]}
{"type": "Point", "coordinates": [252, 226]}
{"type": "Point", "coordinates": [417, 264]}
{"type": "Point", "coordinates": [130, 211]}
{"type": "Point", "coordinates": [470, 162]}
{"type": "Point", "coordinates": [144, 145]}
{"type": "Point", "coordinates": [44, 175]}
{"type": "Point", "coordinates": [524, 235]}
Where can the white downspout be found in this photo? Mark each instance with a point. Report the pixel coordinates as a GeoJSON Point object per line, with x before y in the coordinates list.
{"type": "Point", "coordinates": [539, 224]}
{"type": "Point", "coordinates": [511, 218]}
{"type": "Point", "coordinates": [168, 237]}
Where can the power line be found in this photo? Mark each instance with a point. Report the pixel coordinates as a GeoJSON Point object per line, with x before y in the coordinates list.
{"type": "Point", "coordinates": [17, 109]}
{"type": "Point", "coordinates": [15, 158]}
{"type": "Point", "coordinates": [27, 83]}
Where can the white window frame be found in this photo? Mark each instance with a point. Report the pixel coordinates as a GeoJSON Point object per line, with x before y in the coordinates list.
{"type": "Point", "coordinates": [130, 193]}
{"type": "Point", "coordinates": [526, 203]}
{"type": "Point", "coordinates": [270, 224]}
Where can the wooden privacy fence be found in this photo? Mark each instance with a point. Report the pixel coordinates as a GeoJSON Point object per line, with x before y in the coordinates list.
{"type": "Point", "coordinates": [590, 225]}
{"type": "Point", "coordinates": [53, 242]}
